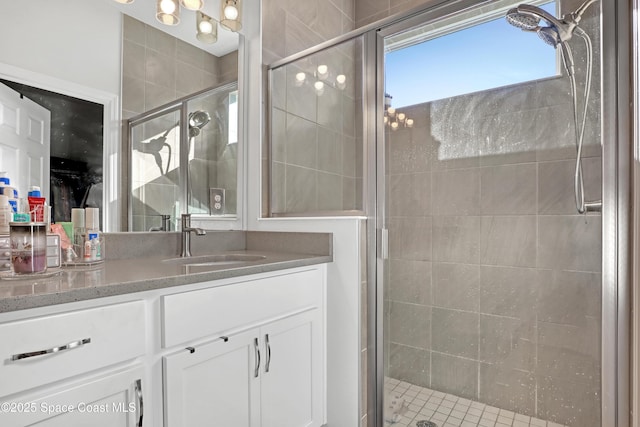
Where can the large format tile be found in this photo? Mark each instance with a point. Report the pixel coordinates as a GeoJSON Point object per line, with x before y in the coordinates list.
{"type": "Point", "coordinates": [568, 297]}
{"type": "Point", "coordinates": [409, 364]}
{"type": "Point", "coordinates": [509, 389]}
{"type": "Point", "coordinates": [456, 239]}
{"type": "Point", "coordinates": [410, 281]}
{"type": "Point", "coordinates": [508, 291]}
{"type": "Point", "coordinates": [410, 238]}
{"type": "Point", "coordinates": [301, 145]}
{"type": "Point", "coordinates": [456, 286]}
{"type": "Point", "coordinates": [410, 324]}
{"type": "Point", "coordinates": [570, 242]}
{"type": "Point", "coordinates": [455, 332]}
{"type": "Point", "coordinates": [508, 190]}
{"type": "Point", "coordinates": [556, 185]}
{"type": "Point", "coordinates": [410, 194]}
{"type": "Point", "coordinates": [570, 402]}
{"type": "Point", "coordinates": [507, 342]}
{"type": "Point", "coordinates": [455, 375]}
{"type": "Point", "coordinates": [508, 241]}
{"type": "Point", "coordinates": [456, 192]}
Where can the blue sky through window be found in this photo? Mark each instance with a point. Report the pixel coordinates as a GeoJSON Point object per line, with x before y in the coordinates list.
{"type": "Point", "coordinates": [480, 57]}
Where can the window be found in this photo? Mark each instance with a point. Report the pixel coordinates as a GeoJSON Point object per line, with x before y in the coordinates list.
{"type": "Point", "coordinates": [485, 52]}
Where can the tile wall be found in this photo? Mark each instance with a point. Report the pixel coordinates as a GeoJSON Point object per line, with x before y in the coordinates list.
{"type": "Point", "coordinates": [156, 69]}
{"type": "Point", "coordinates": [494, 280]}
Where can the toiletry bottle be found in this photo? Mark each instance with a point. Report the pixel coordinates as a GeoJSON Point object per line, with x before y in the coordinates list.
{"type": "Point", "coordinates": [92, 222]}
{"type": "Point", "coordinates": [77, 218]}
{"type": "Point", "coordinates": [5, 214]}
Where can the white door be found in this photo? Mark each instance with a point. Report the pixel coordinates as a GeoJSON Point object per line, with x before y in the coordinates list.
{"type": "Point", "coordinates": [24, 141]}
{"type": "Point", "coordinates": [292, 374]}
{"type": "Point", "coordinates": [214, 384]}
{"type": "Point", "coordinates": [110, 401]}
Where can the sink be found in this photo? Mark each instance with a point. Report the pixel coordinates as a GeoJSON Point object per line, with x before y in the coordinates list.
{"type": "Point", "coordinates": [213, 260]}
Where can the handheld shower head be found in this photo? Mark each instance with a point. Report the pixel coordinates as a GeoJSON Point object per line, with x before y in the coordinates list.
{"type": "Point", "coordinates": [197, 120]}
{"type": "Point", "coordinates": [524, 21]}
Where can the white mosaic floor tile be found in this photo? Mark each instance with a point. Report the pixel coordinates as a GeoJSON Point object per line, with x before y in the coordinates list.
{"type": "Point", "coordinates": [448, 410]}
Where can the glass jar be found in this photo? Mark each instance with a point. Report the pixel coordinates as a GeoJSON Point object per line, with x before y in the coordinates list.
{"type": "Point", "coordinates": [28, 247]}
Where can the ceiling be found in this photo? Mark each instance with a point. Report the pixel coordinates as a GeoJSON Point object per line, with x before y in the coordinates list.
{"type": "Point", "coordinates": [145, 11]}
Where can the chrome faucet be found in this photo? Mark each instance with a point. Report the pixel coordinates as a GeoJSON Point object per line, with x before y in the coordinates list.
{"type": "Point", "coordinates": [186, 235]}
{"type": "Point", "coordinates": [164, 224]}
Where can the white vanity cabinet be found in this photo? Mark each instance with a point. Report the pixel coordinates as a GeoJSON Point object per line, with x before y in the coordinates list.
{"type": "Point", "coordinates": [257, 362]}
{"type": "Point", "coordinates": [73, 368]}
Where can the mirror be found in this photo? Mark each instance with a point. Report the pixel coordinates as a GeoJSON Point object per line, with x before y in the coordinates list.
{"type": "Point", "coordinates": [123, 64]}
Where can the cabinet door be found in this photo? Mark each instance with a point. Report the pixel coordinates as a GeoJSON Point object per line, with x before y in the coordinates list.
{"type": "Point", "coordinates": [214, 384]}
{"type": "Point", "coordinates": [113, 400]}
{"type": "Point", "coordinates": [292, 375]}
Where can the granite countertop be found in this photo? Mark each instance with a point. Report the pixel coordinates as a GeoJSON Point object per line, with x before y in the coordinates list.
{"type": "Point", "coordinates": [151, 270]}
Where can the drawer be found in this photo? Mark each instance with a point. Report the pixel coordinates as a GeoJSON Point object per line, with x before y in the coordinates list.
{"type": "Point", "coordinates": [197, 314]}
{"type": "Point", "coordinates": [95, 338]}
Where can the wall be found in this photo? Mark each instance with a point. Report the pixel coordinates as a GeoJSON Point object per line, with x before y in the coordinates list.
{"type": "Point", "coordinates": [157, 69]}
{"type": "Point", "coordinates": [69, 28]}
{"type": "Point", "coordinates": [494, 279]}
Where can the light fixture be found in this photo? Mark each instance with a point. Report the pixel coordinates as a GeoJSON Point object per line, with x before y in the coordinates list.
{"type": "Point", "coordinates": [319, 87]}
{"type": "Point", "coordinates": [231, 14]}
{"type": "Point", "coordinates": [341, 81]}
{"type": "Point", "coordinates": [323, 71]}
{"type": "Point", "coordinates": [392, 118]}
{"type": "Point", "coordinates": [192, 4]}
{"type": "Point", "coordinates": [168, 12]}
{"type": "Point", "coordinates": [206, 28]}
{"type": "Point", "coordinates": [300, 78]}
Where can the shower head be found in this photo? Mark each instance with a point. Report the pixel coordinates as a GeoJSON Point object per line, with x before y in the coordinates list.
{"type": "Point", "coordinates": [528, 17]}
{"type": "Point", "coordinates": [197, 120]}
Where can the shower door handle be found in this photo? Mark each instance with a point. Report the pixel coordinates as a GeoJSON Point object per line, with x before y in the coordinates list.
{"type": "Point", "coordinates": [383, 238]}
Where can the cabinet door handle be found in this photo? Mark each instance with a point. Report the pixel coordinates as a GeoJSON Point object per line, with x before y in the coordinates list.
{"type": "Point", "coordinates": [257, 350]}
{"type": "Point", "coordinates": [58, 349]}
{"type": "Point", "coordinates": [268, 361]}
{"type": "Point", "coordinates": [140, 402]}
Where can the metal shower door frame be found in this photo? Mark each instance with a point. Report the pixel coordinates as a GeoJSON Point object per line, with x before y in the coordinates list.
{"type": "Point", "coordinates": [617, 157]}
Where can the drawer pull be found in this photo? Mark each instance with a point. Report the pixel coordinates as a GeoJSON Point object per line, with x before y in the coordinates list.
{"type": "Point", "coordinates": [257, 351]}
{"type": "Point", "coordinates": [140, 402]}
{"type": "Point", "coordinates": [268, 361]}
{"type": "Point", "coordinates": [69, 346]}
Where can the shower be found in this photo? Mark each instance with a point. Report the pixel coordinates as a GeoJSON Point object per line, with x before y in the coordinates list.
{"type": "Point", "coordinates": [557, 33]}
{"type": "Point", "coordinates": [197, 120]}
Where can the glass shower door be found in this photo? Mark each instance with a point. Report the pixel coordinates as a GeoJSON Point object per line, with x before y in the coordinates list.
{"type": "Point", "coordinates": [492, 286]}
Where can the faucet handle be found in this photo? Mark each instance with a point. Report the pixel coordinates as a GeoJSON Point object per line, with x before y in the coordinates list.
{"type": "Point", "coordinates": [186, 221]}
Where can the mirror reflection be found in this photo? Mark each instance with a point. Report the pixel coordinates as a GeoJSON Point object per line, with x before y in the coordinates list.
{"type": "Point", "coordinates": [120, 64]}
{"type": "Point", "coordinates": [184, 160]}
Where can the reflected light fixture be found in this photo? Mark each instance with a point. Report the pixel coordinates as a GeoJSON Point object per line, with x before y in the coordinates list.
{"type": "Point", "coordinates": [206, 28]}
{"type": "Point", "coordinates": [192, 4]}
{"type": "Point", "coordinates": [168, 12]}
{"type": "Point", "coordinates": [319, 87]}
{"type": "Point", "coordinates": [231, 14]}
{"type": "Point", "coordinates": [393, 118]}
{"type": "Point", "coordinates": [300, 78]}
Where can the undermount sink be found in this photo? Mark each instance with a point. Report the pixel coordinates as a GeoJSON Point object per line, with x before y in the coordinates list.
{"type": "Point", "coordinates": [208, 260]}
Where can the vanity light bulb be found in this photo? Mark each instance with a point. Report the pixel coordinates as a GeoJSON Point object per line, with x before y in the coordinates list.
{"type": "Point", "coordinates": [167, 6]}
{"type": "Point", "coordinates": [409, 123]}
{"type": "Point", "coordinates": [205, 27]}
{"type": "Point", "coordinates": [322, 70]}
{"type": "Point", "coordinates": [341, 79]}
{"type": "Point", "coordinates": [231, 11]}
{"type": "Point", "coordinates": [401, 116]}
{"type": "Point", "coordinates": [192, 4]}
{"type": "Point", "coordinates": [319, 86]}
{"type": "Point", "coordinates": [386, 120]}
{"type": "Point", "coordinates": [391, 111]}
{"type": "Point", "coordinates": [394, 125]}
{"type": "Point", "coordinates": [300, 77]}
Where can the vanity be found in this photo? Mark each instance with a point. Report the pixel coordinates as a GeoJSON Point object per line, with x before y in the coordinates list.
{"type": "Point", "coordinates": [155, 341]}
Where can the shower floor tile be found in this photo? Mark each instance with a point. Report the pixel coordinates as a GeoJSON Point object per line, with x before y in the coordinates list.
{"type": "Point", "coordinates": [448, 410]}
